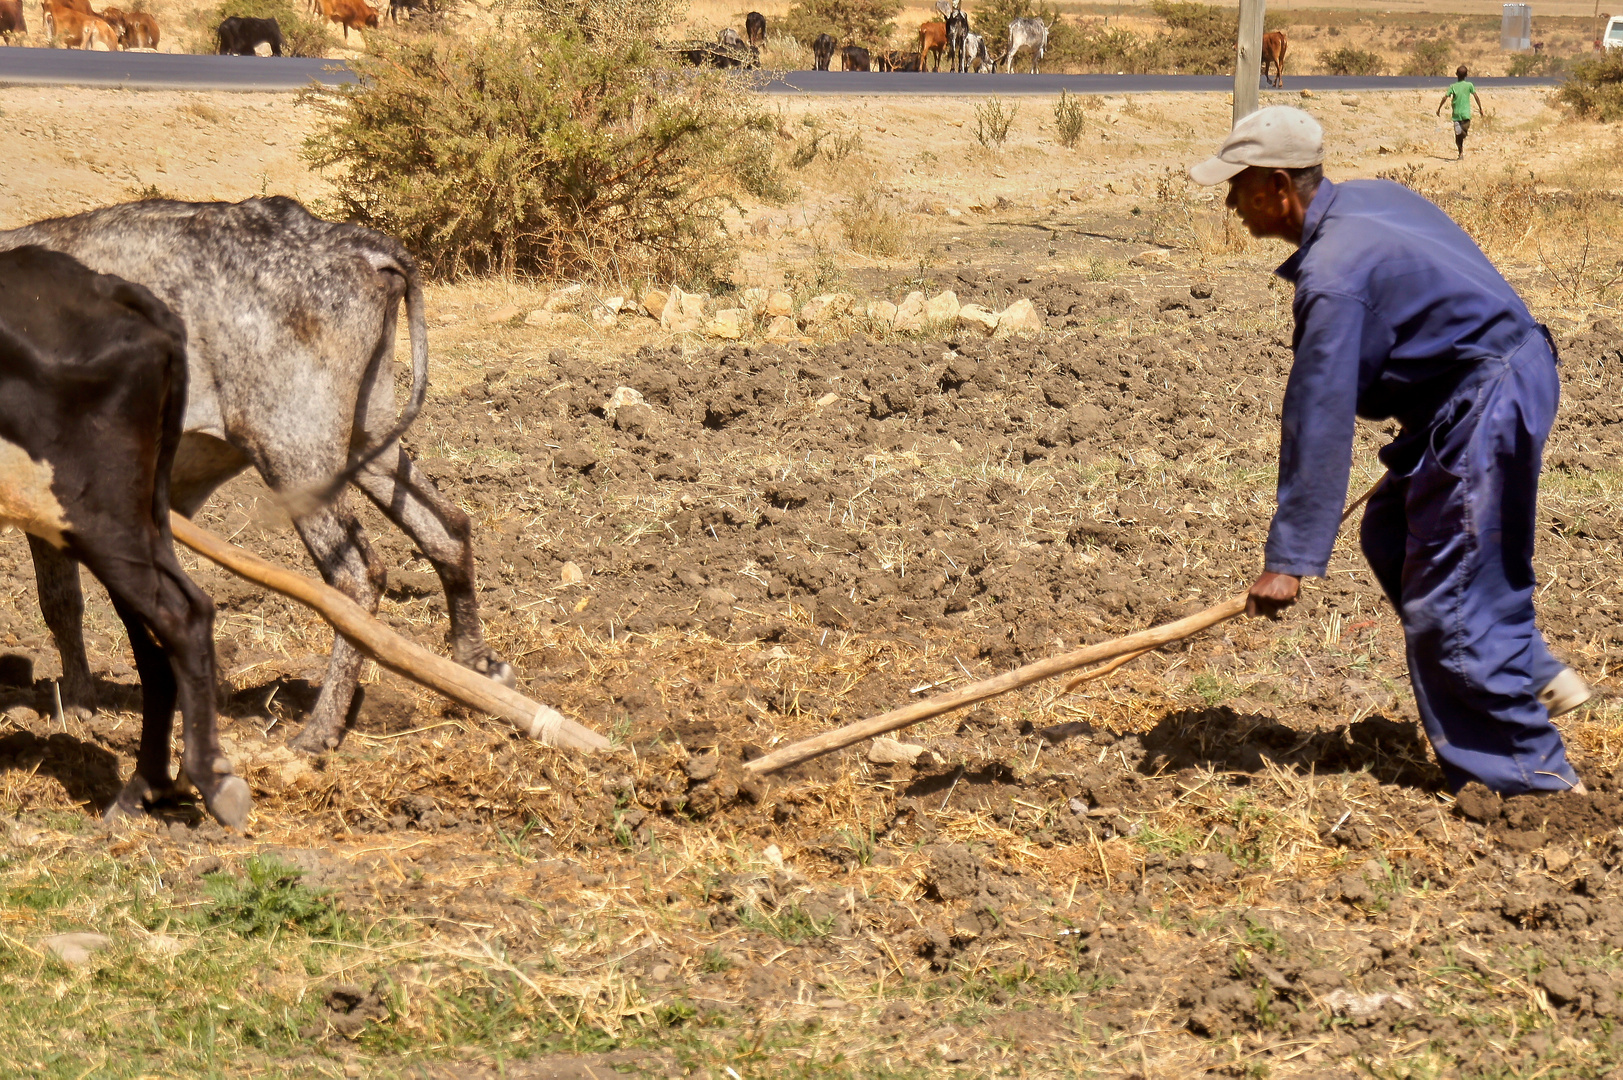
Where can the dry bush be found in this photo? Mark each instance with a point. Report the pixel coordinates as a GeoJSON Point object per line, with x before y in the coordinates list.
{"type": "Point", "coordinates": [1429, 57]}
{"type": "Point", "coordinates": [1573, 229]}
{"type": "Point", "coordinates": [1192, 218]}
{"type": "Point", "coordinates": [992, 122]}
{"type": "Point", "coordinates": [543, 153]}
{"type": "Point", "coordinates": [611, 25]}
{"type": "Point", "coordinates": [784, 53]}
{"type": "Point", "coordinates": [1069, 119]}
{"type": "Point", "coordinates": [872, 228]}
{"type": "Point", "coordinates": [1350, 61]}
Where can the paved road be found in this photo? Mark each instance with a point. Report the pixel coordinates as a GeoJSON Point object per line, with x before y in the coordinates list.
{"type": "Point", "coordinates": [177, 71]}
{"type": "Point", "coordinates": [165, 71]}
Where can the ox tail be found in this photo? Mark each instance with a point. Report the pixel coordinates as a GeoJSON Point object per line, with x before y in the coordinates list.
{"type": "Point", "coordinates": [304, 500]}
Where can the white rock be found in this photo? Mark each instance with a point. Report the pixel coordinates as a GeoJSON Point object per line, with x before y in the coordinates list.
{"type": "Point", "coordinates": [75, 949]}
{"type": "Point", "coordinates": [684, 312]}
{"type": "Point", "coordinates": [572, 574]}
{"type": "Point", "coordinates": [1020, 317]}
{"type": "Point", "coordinates": [755, 300]}
{"type": "Point", "coordinates": [975, 317]}
{"type": "Point", "coordinates": [942, 308]}
{"type": "Point", "coordinates": [779, 303]}
{"type": "Point", "coordinates": [910, 313]}
{"type": "Point", "coordinates": [505, 313]}
{"type": "Point", "coordinates": [1356, 1005]}
{"type": "Point", "coordinates": [883, 751]}
{"type": "Point", "coordinates": [543, 317]}
{"type": "Point", "coordinates": [1154, 258]}
{"type": "Point", "coordinates": [605, 318]}
{"type": "Point", "coordinates": [623, 395]}
{"type": "Point", "coordinates": [653, 301]}
{"type": "Point", "coordinates": [728, 323]}
{"type": "Point", "coordinates": [824, 309]}
{"type": "Point", "coordinates": [826, 400]}
{"type": "Point", "coordinates": [615, 304]}
{"type": "Point", "coordinates": [567, 298]}
{"type": "Point", "coordinates": [882, 312]}
{"type": "Point", "coordinates": [774, 855]}
{"type": "Point", "coordinates": [782, 328]}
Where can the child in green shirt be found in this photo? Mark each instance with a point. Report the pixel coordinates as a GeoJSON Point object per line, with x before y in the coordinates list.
{"type": "Point", "coordinates": [1460, 94]}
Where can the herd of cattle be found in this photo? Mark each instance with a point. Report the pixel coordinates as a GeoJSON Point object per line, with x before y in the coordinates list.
{"type": "Point", "coordinates": [151, 351]}
{"type": "Point", "coordinates": [73, 24]}
{"type": "Point", "coordinates": [949, 38]}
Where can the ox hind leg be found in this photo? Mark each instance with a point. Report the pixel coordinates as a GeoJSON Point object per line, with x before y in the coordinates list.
{"type": "Point", "coordinates": [443, 533]}
{"type": "Point", "coordinates": [62, 602]}
{"type": "Point", "coordinates": [171, 628]}
{"type": "Point", "coordinates": [347, 563]}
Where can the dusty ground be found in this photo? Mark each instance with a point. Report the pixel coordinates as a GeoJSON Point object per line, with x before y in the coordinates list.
{"type": "Point", "coordinates": [1230, 857]}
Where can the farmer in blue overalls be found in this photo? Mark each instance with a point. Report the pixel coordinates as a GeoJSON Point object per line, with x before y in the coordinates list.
{"type": "Point", "coordinates": [1398, 314]}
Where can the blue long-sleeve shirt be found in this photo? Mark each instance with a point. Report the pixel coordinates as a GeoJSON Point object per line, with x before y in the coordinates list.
{"type": "Point", "coordinates": [1394, 304]}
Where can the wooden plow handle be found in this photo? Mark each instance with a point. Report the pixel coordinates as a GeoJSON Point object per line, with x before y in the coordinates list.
{"type": "Point", "coordinates": [460, 684]}
{"type": "Point", "coordinates": [1118, 651]}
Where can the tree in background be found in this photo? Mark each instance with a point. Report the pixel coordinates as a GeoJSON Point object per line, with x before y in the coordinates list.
{"type": "Point", "coordinates": [851, 22]}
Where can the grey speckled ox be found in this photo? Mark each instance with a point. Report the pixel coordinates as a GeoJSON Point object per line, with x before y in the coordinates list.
{"type": "Point", "coordinates": [290, 330]}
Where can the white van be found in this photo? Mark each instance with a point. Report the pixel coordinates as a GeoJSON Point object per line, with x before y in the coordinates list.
{"type": "Point", "coordinates": [1613, 38]}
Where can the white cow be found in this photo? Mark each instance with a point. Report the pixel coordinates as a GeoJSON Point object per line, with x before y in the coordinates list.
{"type": "Point", "coordinates": [1026, 34]}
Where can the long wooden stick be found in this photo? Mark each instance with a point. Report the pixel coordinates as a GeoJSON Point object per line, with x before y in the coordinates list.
{"type": "Point", "coordinates": [1119, 651]}
{"type": "Point", "coordinates": [394, 652]}
{"type": "Point", "coordinates": [1036, 671]}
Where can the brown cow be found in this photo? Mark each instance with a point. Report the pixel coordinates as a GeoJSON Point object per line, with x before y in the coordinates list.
{"type": "Point", "coordinates": [135, 29]}
{"type": "Point", "coordinates": [76, 30]}
{"type": "Point", "coordinates": [1273, 51]}
{"type": "Point", "coordinates": [11, 19]}
{"type": "Point", "coordinates": [932, 39]}
{"type": "Point", "coordinates": [350, 14]}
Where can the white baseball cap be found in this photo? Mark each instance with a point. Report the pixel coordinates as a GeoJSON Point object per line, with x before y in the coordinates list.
{"type": "Point", "coordinates": [1278, 137]}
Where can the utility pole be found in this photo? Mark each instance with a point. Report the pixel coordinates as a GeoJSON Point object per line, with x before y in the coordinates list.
{"type": "Point", "coordinates": [1248, 59]}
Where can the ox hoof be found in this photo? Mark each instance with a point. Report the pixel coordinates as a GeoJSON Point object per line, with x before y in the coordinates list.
{"type": "Point", "coordinates": [497, 671]}
{"type": "Point", "coordinates": [230, 802]}
{"type": "Point", "coordinates": [138, 796]}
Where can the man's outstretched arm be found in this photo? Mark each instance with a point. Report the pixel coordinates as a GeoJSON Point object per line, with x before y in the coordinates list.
{"type": "Point", "coordinates": [1315, 448]}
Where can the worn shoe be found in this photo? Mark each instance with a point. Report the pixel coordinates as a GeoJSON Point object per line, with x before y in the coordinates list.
{"type": "Point", "coordinates": [1564, 693]}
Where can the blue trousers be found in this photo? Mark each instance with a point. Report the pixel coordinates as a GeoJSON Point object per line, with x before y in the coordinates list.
{"type": "Point", "coordinates": [1449, 535]}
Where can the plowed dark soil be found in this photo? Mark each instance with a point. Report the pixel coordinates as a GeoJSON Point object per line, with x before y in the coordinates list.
{"type": "Point", "coordinates": [1235, 855]}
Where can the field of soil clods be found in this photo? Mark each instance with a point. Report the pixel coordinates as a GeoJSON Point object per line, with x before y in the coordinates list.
{"type": "Point", "coordinates": [1233, 856]}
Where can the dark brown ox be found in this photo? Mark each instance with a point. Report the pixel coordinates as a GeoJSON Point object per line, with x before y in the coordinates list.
{"type": "Point", "coordinates": [92, 398]}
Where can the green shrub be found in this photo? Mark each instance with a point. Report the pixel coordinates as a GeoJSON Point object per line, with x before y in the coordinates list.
{"type": "Point", "coordinates": [1594, 89]}
{"type": "Point", "coordinates": [851, 22]}
{"type": "Point", "coordinates": [1530, 64]}
{"type": "Point", "coordinates": [300, 36]}
{"type": "Point", "coordinates": [543, 153]}
{"type": "Point", "coordinates": [1350, 61]}
{"type": "Point", "coordinates": [1429, 57]}
{"type": "Point", "coordinates": [1069, 118]}
{"type": "Point", "coordinates": [270, 899]}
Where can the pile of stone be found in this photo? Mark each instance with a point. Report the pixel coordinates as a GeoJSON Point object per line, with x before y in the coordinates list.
{"type": "Point", "coordinates": [772, 313]}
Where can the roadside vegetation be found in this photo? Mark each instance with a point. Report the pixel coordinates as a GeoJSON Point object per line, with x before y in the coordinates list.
{"type": "Point", "coordinates": [1594, 89]}
{"type": "Point", "coordinates": [558, 150]}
